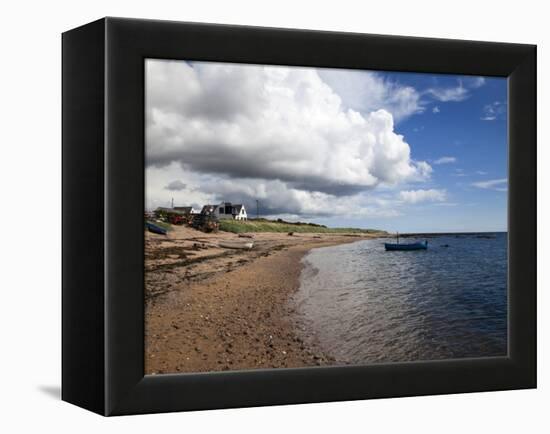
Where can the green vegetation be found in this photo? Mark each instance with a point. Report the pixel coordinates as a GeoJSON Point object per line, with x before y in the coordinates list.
{"type": "Point", "coordinates": [264, 225]}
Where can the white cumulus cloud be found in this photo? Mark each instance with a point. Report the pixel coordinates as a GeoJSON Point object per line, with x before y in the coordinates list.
{"type": "Point", "coordinates": [244, 128]}
{"type": "Point", "coordinates": [495, 110]}
{"type": "Point", "coordinates": [367, 91]}
{"type": "Point", "coordinates": [475, 82]}
{"type": "Point", "coordinates": [493, 184]}
{"type": "Point", "coordinates": [417, 196]}
{"type": "Point", "coordinates": [445, 160]}
{"type": "Point", "coordinates": [457, 93]}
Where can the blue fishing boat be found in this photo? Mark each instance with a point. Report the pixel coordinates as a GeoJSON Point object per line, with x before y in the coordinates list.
{"type": "Point", "coordinates": [407, 246]}
{"type": "Point", "coordinates": [155, 228]}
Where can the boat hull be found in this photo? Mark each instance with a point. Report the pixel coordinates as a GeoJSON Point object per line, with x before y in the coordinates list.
{"type": "Point", "coordinates": [410, 246]}
{"type": "Point", "coordinates": [236, 245]}
{"type": "Point", "coordinates": [155, 229]}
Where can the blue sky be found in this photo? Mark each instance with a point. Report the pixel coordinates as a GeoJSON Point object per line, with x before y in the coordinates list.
{"type": "Point", "coordinates": [396, 151]}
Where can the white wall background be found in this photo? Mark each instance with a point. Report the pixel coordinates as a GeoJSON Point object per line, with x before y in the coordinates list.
{"type": "Point", "coordinates": [30, 204]}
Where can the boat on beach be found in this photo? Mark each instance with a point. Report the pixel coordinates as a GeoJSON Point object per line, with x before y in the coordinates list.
{"type": "Point", "coordinates": [423, 245]}
{"type": "Point", "coordinates": [156, 229]}
{"type": "Point", "coordinates": [237, 244]}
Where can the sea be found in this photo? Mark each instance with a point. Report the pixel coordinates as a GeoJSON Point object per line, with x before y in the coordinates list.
{"type": "Point", "coordinates": [367, 305]}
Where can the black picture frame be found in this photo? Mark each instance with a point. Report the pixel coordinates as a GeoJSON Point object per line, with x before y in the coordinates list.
{"type": "Point", "coordinates": [103, 203]}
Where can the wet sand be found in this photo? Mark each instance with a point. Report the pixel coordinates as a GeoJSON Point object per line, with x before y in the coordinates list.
{"type": "Point", "coordinates": [212, 309]}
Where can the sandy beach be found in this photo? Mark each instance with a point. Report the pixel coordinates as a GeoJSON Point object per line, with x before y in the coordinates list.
{"type": "Point", "coordinates": [212, 309]}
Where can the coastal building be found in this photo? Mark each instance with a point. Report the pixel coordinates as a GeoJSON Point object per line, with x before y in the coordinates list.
{"type": "Point", "coordinates": [187, 209]}
{"type": "Point", "coordinates": [226, 210]}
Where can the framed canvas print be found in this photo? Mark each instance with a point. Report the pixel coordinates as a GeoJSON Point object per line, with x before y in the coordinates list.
{"type": "Point", "coordinates": [258, 216]}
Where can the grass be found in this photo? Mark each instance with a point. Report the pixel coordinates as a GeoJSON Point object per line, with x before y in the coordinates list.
{"type": "Point", "coordinates": [264, 225]}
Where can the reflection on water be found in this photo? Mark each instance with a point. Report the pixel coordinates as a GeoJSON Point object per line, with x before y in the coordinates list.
{"type": "Point", "coordinates": [367, 305]}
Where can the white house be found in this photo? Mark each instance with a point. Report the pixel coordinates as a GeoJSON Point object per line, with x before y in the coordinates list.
{"type": "Point", "coordinates": [239, 212]}
{"type": "Point", "coordinates": [226, 210]}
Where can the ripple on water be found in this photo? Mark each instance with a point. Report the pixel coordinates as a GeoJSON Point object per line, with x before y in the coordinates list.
{"type": "Point", "coordinates": [367, 305]}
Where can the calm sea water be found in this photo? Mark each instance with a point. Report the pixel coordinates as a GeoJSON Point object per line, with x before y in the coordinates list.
{"type": "Point", "coordinates": [367, 305]}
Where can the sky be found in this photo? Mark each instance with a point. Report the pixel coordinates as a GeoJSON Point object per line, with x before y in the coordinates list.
{"type": "Point", "coordinates": [397, 151]}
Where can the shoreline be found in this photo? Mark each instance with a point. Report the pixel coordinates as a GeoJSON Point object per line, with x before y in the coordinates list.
{"type": "Point", "coordinates": [219, 310]}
